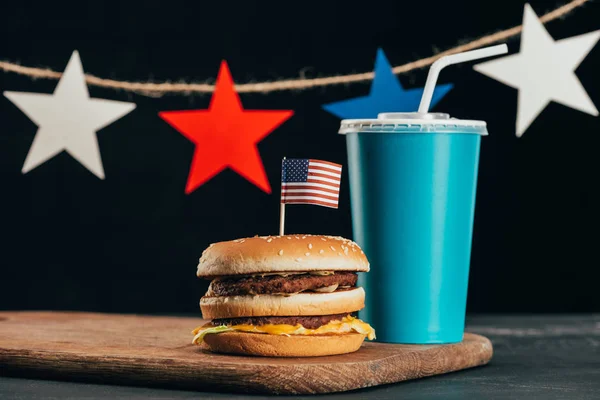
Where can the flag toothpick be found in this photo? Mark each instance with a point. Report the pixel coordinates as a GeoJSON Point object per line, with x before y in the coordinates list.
{"type": "Point", "coordinates": [281, 219]}
{"type": "Point", "coordinates": [282, 203]}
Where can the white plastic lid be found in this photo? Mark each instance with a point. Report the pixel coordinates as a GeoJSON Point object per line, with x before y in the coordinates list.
{"type": "Point", "coordinates": [413, 122]}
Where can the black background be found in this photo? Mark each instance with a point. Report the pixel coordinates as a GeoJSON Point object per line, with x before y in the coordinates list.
{"type": "Point", "coordinates": [130, 243]}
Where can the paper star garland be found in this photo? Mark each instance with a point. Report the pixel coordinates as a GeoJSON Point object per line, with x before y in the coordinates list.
{"type": "Point", "coordinates": [226, 135]}
{"type": "Point", "coordinates": [543, 71]}
{"type": "Point", "coordinates": [68, 120]}
{"type": "Point", "coordinates": [386, 95]}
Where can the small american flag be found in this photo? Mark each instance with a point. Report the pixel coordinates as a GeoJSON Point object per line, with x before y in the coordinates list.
{"type": "Point", "coordinates": [305, 181]}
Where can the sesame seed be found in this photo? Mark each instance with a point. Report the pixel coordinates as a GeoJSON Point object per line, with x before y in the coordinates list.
{"type": "Point", "coordinates": [346, 251]}
{"type": "Point", "coordinates": [339, 254]}
{"type": "Point", "coordinates": [303, 237]}
{"type": "Point", "coordinates": [307, 254]}
{"type": "Point", "coordinates": [269, 240]}
{"type": "Point", "coordinates": [353, 249]}
{"type": "Point", "coordinates": [280, 252]}
{"type": "Point", "coordinates": [321, 251]}
{"type": "Point", "coordinates": [298, 259]}
{"type": "Point", "coordinates": [362, 252]}
{"type": "Point", "coordinates": [297, 237]}
{"type": "Point", "coordinates": [332, 248]}
{"type": "Point", "coordinates": [323, 239]}
{"type": "Point", "coordinates": [310, 246]}
{"type": "Point", "coordinates": [289, 238]}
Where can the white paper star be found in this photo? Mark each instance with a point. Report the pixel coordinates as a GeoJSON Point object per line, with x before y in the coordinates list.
{"type": "Point", "coordinates": [68, 120]}
{"type": "Point", "coordinates": [543, 71]}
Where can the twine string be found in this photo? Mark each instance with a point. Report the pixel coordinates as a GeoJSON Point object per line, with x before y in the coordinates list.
{"type": "Point", "coordinates": [160, 88]}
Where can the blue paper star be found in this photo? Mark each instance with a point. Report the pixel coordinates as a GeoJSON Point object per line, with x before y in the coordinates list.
{"type": "Point", "coordinates": [387, 95]}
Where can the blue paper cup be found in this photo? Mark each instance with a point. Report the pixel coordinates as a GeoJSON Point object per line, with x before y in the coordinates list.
{"type": "Point", "coordinates": [413, 179]}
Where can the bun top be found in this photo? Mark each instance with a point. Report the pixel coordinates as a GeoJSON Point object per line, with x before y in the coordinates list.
{"type": "Point", "coordinates": [288, 253]}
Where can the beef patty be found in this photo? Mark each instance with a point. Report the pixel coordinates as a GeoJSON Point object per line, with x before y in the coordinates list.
{"type": "Point", "coordinates": [235, 286]}
{"type": "Point", "coordinates": [309, 322]}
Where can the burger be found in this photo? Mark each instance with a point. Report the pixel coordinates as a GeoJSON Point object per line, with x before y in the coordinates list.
{"type": "Point", "coordinates": [283, 296]}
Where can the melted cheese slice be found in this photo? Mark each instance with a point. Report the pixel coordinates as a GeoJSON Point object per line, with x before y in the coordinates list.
{"type": "Point", "coordinates": [347, 324]}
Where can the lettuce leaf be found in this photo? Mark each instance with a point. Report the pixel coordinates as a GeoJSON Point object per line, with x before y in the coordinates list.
{"type": "Point", "coordinates": [360, 329]}
{"type": "Point", "coordinates": [203, 332]}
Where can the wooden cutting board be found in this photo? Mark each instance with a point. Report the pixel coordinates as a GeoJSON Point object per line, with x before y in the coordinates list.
{"type": "Point", "coordinates": [157, 351]}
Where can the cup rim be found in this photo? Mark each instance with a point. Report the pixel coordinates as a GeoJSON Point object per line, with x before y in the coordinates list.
{"type": "Point", "coordinates": [413, 123]}
{"type": "Point", "coordinates": [414, 126]}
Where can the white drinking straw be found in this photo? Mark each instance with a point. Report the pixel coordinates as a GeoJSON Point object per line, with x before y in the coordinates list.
{"type": "Point", "coordinates": [442, 62]}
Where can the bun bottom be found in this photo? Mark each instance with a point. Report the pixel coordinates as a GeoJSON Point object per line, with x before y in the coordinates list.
{"type": "Point", "coordinates": [265, 345]}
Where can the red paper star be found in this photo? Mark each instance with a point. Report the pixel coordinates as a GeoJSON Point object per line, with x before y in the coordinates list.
{"type": "Point", "coordinates": [226, 135]}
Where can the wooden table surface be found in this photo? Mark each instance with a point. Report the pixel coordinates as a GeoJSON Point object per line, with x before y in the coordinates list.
{"type": "Point", "coordinates": [535, 357]}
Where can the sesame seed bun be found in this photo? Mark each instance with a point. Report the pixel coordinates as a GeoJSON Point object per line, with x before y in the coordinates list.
{"type": "Point", "coordinates": [338, 302]}
{"type": "Point", "coordinates": [288, 253]}
{"type": "Point", "coordinates": [257, 344]}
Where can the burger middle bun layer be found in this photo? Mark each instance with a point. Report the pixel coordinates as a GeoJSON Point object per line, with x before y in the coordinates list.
{"type": "Point", "coordinates": [344, 301]}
